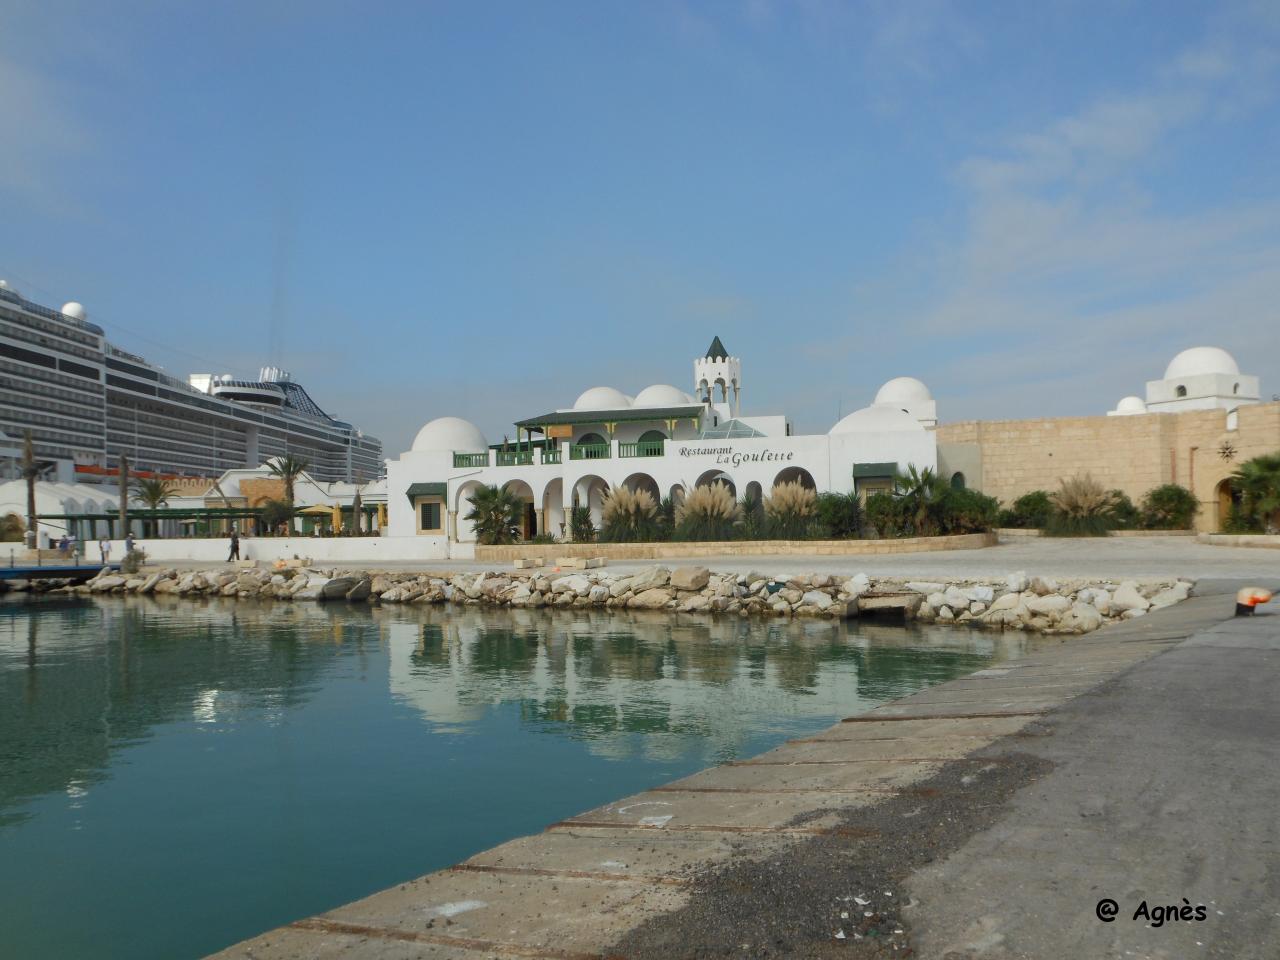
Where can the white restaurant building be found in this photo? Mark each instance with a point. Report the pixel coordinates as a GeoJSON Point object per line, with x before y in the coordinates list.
{"type": "Point", "coordinates": [663, 440]}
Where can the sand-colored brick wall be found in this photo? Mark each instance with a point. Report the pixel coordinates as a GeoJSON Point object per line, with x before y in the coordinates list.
{"type": "Point", "coordinates": [1132, 454]}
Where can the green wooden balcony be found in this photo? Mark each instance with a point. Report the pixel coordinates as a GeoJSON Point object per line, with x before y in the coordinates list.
{"type": "Point", "coordinates": [514, 458]}
{"type": "Point", "coordinates": [471, 459]}
{"type": "Point", "coordinates": [589, 451]}
{"type": "Point", "coordinates": [641, 448]}
{"type": "Point", "coordinates": [551, 455]}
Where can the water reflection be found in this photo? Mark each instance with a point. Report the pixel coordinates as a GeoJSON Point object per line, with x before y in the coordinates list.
{"type": "Point", "coordinates": [176, 775]}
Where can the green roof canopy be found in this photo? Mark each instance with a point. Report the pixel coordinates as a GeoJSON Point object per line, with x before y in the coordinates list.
{"type": "Point", "coordinates": [627, 414]}
{"type": "Point", "coordinates": [427, 490]}
{"type": "Point", "coordinates": [864, 470]}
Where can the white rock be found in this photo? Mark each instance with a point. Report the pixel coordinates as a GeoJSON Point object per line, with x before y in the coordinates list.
{"type": "Point", "coordinates": [1049, 605]}
{"type": "Point", "coordinates": [1127, 597]}
{"type": "Point", "coordinates": [936, 600]}
{"type": "Point", "coordinates": [1175, 594]}
{"type": "Point", "coordinates": [817, 599]}
{"type": "Point", "coordinates": [576, 584]}
{"type": "Point", "coordinates": [1017, 581]}
{"type": "Point", "coordinates": [1083, 617]}
{"type": "Point", "coordinates": [977, 607]}
{"type": "Point", "coordinates": [857, 585]}
{"type": "Point", "coordinates": [946, 614]}
{"type": "Point", "coordinates": [1008, 601]}
{"type": "Point", "coordinates": [982, 593]}
{"type": "Point", "coordinates": [598, 594]}
{"type": "Point", "coordinates": [924, 586]}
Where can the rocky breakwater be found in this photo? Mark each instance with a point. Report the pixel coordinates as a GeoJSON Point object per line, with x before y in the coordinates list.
{"type": "Point", "coordinates": [1016, 602]}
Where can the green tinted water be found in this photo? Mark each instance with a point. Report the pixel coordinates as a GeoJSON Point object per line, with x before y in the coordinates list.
{"type": "Point", "coordinates": [178, 775]}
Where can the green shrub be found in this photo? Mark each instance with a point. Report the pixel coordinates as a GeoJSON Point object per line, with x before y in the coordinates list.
{"type": "Point", "coordinates": [1258, 484]}
{"type": "Point", "coordinates": [580, 525]}
{"type": "Point", "coordinates": [1124, 515]}
{"type": "Point", "coordinates": [754, 522]}
{"type": "Point", "coordinates": [708, 513]}
{"type": "Point", "coordinates": [886, 514]}
{"type": "Point", "coordinates": [133, 561]}
{"type": "Point", "coordinates": [1238, 521]}
{"type": "Point", "coordinates": [1081, 508]}
{"type": "Point", "coordinates": [1169, 507]}
{"type": "Point", "coordinates": [666, 519]}
{"type": "Point", "coordinates": [791, 511]}
{"type": "Point", "coordinates": [839, 515]}
{"type": "Point", "coordinates": [495, 515]}
{"type": "Point", "coordinates": [275, 514]}
{"type": "Point", "coordinates": [543, 538]}
{"type": "Point", "coordinates": [961, 510]}
{"type": "Point", "coordinates": [629, 516]}
{"type": "Point", "coordinates": [1029, 512]}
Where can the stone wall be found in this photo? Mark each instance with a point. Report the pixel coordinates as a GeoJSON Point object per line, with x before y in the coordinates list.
{"type": "Point", "coordinates": [1132, 454]}
{"type": "Point", "coordinates": [737, 548]}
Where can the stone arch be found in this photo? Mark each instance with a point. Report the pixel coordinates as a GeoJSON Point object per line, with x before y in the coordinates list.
{"type": "Point", "coordinates": [717, 476]}
{"type": "Point", "coordinates": [553, 518]}
{"type": "Point", "coordinates": [592, 437]}
{"type": "Point", "coordinates": [528, 518]}
{"type": "Point", "coordinates": [676, 493]}
{"type": "Point", "coordinates": [754, 491]}
{"type": "Point", "coordinates": [794, 475]}
{"type": "Point", "coordinates": [642, 481]}
{"type": "Point", "coordinates": [589, 491]}
{"type": "Point", "coordinates": [464, 531]}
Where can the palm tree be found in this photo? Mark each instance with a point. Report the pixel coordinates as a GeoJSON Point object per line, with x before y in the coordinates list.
{"type": "Point", "coordinates": [919, 491]}
{"type": "Point", "coordinates": [153, 492]}
{"type": "Point", "coordinates": [1258, 482]}
{"type": "Point", "coordinates": [288, 468]}
{"type": "Point", "coordinates": [495, 515]}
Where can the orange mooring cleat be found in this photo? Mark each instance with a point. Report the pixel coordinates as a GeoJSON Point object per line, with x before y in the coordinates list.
{"type": "Point", "coordinates": [1248, 598]}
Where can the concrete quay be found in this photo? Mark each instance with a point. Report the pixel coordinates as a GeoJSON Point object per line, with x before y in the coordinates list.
{"type": "Point", "coordinates": [984, 817]}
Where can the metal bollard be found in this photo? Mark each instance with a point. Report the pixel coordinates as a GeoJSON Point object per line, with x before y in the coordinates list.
{"type": "Point", "coordinates": [1248, 598]}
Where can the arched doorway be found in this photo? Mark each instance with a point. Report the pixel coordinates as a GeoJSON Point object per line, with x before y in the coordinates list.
{"type": "Point", "coordinates": [642, 481]}
{"type": "Point", "coordinates": [553, 518]}
{"type": "Point", "coordinates": [957, 481]}
{"type": "Point", "coordinates": [464, 531]}
{"type": "Point", "coordinates": [717, 476]}
{"type": "Point", "coordinates": [796, 475]}
{"type": "Point", "coordinates": [528, 518]}
{"type": "Point", "coordinates": [754, 492]}
{"type": "Point", "coordinates": [1226, 497]}
{"type": "Point", "coordinates": [589, 492]}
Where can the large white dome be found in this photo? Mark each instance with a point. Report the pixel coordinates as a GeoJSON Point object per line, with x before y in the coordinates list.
{"type": "Point", "coordinates": [1201, 360]}
{"type": "Point", "coordinates": [903, 390]}
{"type": "Point", "coordinates": [662, 395]}
{"type": "Point", "coordinates": [602, 398]}
{"type": "Point", "coordinates": [450, 434]}
{"type": "Point", "coordinates": [1130, 406]}
{"type": "Point", "coordinates": [74, 310]}
{"type": "Point", "coordinates": [878, 418]}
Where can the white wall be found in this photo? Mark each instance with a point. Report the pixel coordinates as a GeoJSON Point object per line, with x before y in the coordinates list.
{"type": "Point", "coordinates": [371, 550]}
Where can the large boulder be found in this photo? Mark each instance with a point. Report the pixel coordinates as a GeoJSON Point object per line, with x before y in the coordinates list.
{"type": "Point", "coordinates": [926, 586]}
{"type": "Point", "coordinates": [576, 584]}
{"type": "Point", "coordinates": [1083, 617]}
{"type": "Point", "coordinates": [649, 579]}
{"type": "Point", "coordinates": [1175, 594]}
{"type": "Point", "coordinates": [690, 578]}
{"type": "Point", "coordinates": [108, 583]}
{"type": "Point", "coordinates": [337, 588]}
{"type": "Point", "coordinates": [655, 598]}
{"type": "Point", "coordinates": [816, 598]}
{"type": "Point", "coordinates": [361, 590]}
{"type": "Point", "coordinates": [1049, 606]}
{"type": "Point", "coordinates": [1127, 597]}
{"type": "Point", "coordinates": [149, 584]}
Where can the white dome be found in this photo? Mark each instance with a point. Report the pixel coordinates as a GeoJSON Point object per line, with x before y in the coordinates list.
{"type": "Point", "coordinates": [4, 285]}
{"type": "Point", "coordinates": [602, 398]}
{"type": "Point", "coordinates": [1131, 405]}
{"type": "Point", "coordinates": [74, 310]}
{"type": "Point", "coordinates": [450, 434]}
{"type": "Point", "coordinates": [878, 418]}
{"type": "Point", "coordinates": [1201, 360]}
{"type": "Point", "coordinates": [661, 395]}
{"type": "Point", "coordinates": [903, 390]}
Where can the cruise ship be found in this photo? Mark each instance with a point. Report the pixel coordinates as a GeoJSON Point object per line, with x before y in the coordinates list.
{"type": "Point", "coordinates": [87, 402]}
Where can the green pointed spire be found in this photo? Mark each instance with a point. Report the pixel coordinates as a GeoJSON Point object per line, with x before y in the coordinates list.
{"type": "Point", "coordinates": [717, 351]}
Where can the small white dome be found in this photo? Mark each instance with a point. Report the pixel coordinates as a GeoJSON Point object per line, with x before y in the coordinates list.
{"type": "Point", "coordinates": [4, 285]}
{"type": "Point", "coordinates": [1201, 360]}
{"type": "Point", "coordinates": [903, 390]}
{"type": "Point", "coordinates": [602, 398]}
{"type": "Point", "coordinates": [1131, 405]}
{"type": "Point", "coordinates": [450, 434]}
{"type": "Point", "coordinates": [74, 310]}
{"type": "Point", "coordinates": [878, 418]}
{"type": "Point", "coordinates": [661, 395]}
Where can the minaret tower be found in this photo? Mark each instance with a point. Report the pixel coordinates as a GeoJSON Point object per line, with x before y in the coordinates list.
{"type": "Point", "coordinates": [718, 369]}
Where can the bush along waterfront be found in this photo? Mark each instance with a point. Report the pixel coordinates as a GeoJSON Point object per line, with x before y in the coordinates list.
{"type": "Point", "coordinates": [1017, 602]}
{"type": "Point", "coordinates": [1081, 507]}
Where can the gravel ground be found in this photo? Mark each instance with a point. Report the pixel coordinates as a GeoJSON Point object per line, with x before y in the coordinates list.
{"type": "Point", "coordinates": [847, 882]}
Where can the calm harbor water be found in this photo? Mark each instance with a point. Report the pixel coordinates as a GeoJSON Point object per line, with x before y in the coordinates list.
{"type": "Point", "coordinates": [177, 775]}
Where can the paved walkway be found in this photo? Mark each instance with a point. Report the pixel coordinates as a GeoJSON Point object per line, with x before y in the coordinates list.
{"type": "Point", "coordinates": [1153, 741]}
{"type": "Point", "coordinates": [1116, 557]}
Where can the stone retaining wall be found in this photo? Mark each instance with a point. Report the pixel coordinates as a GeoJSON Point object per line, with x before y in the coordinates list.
{"type": "Point", "coordinates": [1038, 604]}
{"type": "Point", "coordinates": [737, 548]}
{"type": "Point", "coordinates": [1241, 539]}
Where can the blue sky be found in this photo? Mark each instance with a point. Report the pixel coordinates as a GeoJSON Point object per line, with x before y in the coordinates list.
{"type": "Point", "coordinates": [482, 209]}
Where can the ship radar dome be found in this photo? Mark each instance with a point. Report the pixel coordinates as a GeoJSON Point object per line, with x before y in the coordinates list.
{"type": "Point", "coordinates": [74, 310]}
{"type": "Point", "coordinates": [450, 434]}
{"type": "Point", "coordinates": [4, 285]}
{"type": "Point", "coordinates": [602, 398]}
{"type": "Point", "coordinates": [1201, 360]}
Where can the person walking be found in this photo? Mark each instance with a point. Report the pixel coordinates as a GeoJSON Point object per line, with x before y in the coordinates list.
{"type": "Point", "coordinates": [128, 543]}
{"type": "Point", "coordinates": [235, 545]}
{"type": "Point", "coordinates": [104, 548]}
